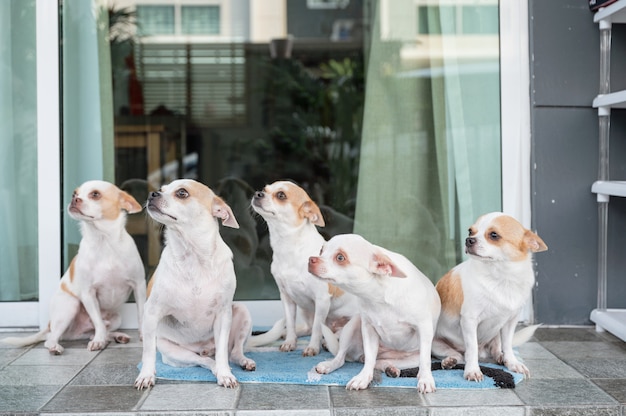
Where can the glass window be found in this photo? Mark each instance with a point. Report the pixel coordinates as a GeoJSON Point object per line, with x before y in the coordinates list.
{"type": "Point", "coordinates": [200, 20]}
{"type": "Point", "coordinates": [156, 20]}
{"type": "Point", "coordinates": [18, 152]}
{"type": "Point", "coordinates": [380, 110]}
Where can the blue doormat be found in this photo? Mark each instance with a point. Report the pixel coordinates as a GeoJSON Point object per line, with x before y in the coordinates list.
{"type": "Point", "coordinates": [273, 366]}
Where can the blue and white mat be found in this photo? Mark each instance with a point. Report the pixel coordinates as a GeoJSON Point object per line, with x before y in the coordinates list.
{"type": "Point", "coordinates": [273, 366]}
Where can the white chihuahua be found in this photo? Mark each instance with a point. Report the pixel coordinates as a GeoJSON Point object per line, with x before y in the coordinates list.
{"type": "Point", "coordinates": [190, 315]}
{"type": "Point", "coordinates": [100, 278]}
{"type": "Point", "coordinates": [397, 312]}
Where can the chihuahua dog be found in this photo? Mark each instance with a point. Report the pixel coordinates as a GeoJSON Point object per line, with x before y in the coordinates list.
{"type": "Point", "coordinates": [292, 217]}
{"type": "Point", "coordinates": [100, 277]}
{"type": "Point", "coordinates": [482, 297]}
{"type": "Point", "coordinates": [190, 315]}
{"type": "Point", "coordinates": [398, 308]}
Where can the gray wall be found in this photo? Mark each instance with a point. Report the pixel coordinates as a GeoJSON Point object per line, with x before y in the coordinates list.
{"type": "Point", "coordinates": [564, 50]}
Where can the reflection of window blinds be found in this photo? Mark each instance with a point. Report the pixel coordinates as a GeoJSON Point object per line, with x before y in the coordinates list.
{"type": "Point", "coordinates": [203, 81]}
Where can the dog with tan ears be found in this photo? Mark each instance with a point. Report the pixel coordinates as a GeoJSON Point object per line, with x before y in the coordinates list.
{"type": "Point", "coordinates": [397, 310]}
{"type": "Point", "coordinates": [190, 315]}
{"type": "Point", "coordinates": [482, 297]}
{"type": "Point", "coordinates": [100, 278]}
{"type": "Point", "coordinates": [292, 217]}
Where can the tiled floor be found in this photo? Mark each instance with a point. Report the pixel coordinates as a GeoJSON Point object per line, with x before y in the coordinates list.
{"type": "Point", "coordinates": [574, 372]}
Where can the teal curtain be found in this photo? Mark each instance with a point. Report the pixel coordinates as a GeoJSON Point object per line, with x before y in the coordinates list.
{"type": "Point", "coordinates": [88, 133]}
{"type": "Point", "coordinates": [18, 152]}
{"type": "Point", "coordinates": [430, 156]}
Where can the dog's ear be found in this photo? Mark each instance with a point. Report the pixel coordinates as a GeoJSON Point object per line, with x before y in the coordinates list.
{"type": "Point", "coordinates": [220, 209]}
{"type": "Point", "coordinates": [534, 242]}
{"type": "Point", "coordinates": [129, 203]}
{"type": "Point", "coordinates": [311, 211]}
{"type": "Point", "coordinates": [381, 264]}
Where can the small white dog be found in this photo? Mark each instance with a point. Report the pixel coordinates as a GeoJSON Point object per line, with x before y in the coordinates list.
{"type": "Point", "coordinates": [482, 297]}
{"type": "Point", "coordinates": [398, 310]}
{"type": "Point", "coordinates": [190, 315]}
{"type": "Point", "coordinates": [291, 217]}
{"type": "Point", "coordinates": [101, 276]}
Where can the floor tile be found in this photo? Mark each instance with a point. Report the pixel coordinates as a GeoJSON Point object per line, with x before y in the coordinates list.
{"type": "Point", "coordinates": [551, 368]}
{"type": "Point", "coordinates": [381, 411]}
{"type": "Point", "coordinates": [455, 398]}
{"type": "Point", "coordinates": [106, 374]}
{"type": "Point", "coordinates": [21, 399]}
{"type": "Point", "coordinates": [35, 375]}
{"type": "Point", "coordinates": [592, 349]}
{"type": "Point", "coordinates": [376, 397]}
{"type": "Point", "coordinates": [579, 334]}
{"type": "Point", "coordinates": [599, 368]}
{"type": "Point", "coordinates": [119, 356]}
{"type": "Point", "coordinates": [534, 350]}
{"type": "Point", "coordinates": [562, 392]}
{"type": "Point", "coordinates": [282, 397]}
{"type": "Point", "coordinates": [79, 399]}
{"type": "Point", "coordinates": [575, 411]}
{"type": "Point", "coordinates": [190, 396]}
{"type": "Point", "coordinates": [8, 355]}
{"type": "Point", "coordinates": [478, 411]}
{"type": "Point", "coordinates": [615, 387]}
{"type": "Point", "coordinates": [41, 356]}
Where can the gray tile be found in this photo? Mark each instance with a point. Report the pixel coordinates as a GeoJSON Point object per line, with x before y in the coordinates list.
{"type": "Point", "coordinates": [8, 355]}
{"type": "Point", "coordinates": [77, 399]}
{"type": "Point", "coordinates": [562, 393]}
{"type": "Point", "coordinates": [596, 349]}
{"type": "Point", "coordinates": [20, 399]}
{"type": "Point", "coordinates": [382, 411]}
{"type": "Point", "coordinates": [35, 375]}
{"type": "Point", "coordinates": [282, 397]}
{"type": "Point", "coordinates": [534, 350]}
{"type": "Point", "coordinates": [41, 356]}
{"type": "Point", "coordinates": [376, 397]}
{"type": "Point", "coordinates": [190, 396]}
{"type": "Point", "coordinates": [294, 412]}
{"type": "Point", "coordinates": [473, 397]}
{"type": "Point", "coordinates": [615, 387]}
{"type": "Point", "coordinates": [581, 334]}
{"type": "Point", "coordinates": [109, 374]}
{"type": "Point", "coordinates": [478, 411]}
{"type": "Point", "coordinates": [119, 356]}
{"type": "Point", "coordinates": [575, 411]}
{"type": "Point", "coordinates": [599, 368]}
{"type": "Point", "coordinates": [552, 368]}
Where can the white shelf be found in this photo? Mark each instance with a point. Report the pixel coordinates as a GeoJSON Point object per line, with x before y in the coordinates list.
{"type": "Point", "coordinates": [610, 188]}
{"type": "Point", "coordinates": [612, 100]}
{"type": "Point", "coordinates": [615, 13]}
{"type": "Point", "coordinates": [612, 320]}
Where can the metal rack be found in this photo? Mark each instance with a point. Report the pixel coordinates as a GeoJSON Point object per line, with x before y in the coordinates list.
{"type": "Point", "coordinates": [612, 320]}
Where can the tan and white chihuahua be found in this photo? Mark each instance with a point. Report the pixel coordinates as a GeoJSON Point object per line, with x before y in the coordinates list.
{"type": "Point", "coordinates": [100, 278]}
{"type": "Point", "coordinates": [292, 217]}
{"type": "Point", "coordinates": [482, 297]}
{"type": "Point", "coordinates": [397, 310]}
{"type": "Point", "coordinates": [190, 315]}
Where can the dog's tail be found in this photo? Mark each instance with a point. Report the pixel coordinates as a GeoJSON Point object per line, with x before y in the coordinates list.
{"type": "Point", "coordinates": [330, 338]}
{"type": "Point", "coordinates": [524, 335]}
{"type": "Point", "coordinates": [277, 331]}
{"type": "Point", "coordinates": [28, 340]}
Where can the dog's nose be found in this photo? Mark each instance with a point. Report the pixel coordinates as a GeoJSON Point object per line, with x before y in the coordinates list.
{"type": "Point", "coordinates": [154, 195]}
{"type": "Point", "coordinates": [313, 260]}
{"type": "Point", "coordinates": [259, 195]}
{"type": "Point", "coordinates": [470, 241]}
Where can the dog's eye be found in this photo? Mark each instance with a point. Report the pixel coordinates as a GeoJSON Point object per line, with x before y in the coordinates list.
{"type": "Point", "coordinates": [182, 193]}
{"type": "Point", "coordinates": [340, 257]}
{"type": "Point", "coordinates": [95, 195]}
{"type": "Point", "coordinates": [494, 236]}
{"type": "Point", "coordinates": [281, 195]}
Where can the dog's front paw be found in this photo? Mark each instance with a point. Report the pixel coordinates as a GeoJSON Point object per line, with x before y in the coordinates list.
{"type": "Point", "coordinates": [227, 380]}
{"type": "Point", "coordinates": [426, 384]}
{"type": "Point", "coordinates": [121, 338]}
{"type": "Point", "coordinates": [95, 345]}
{"type": "Point", "coordinates": [517, 367]}
{"type": "Point", "coordinates": [248, 364]}
{"type": "Point", "coordinates": [310, 351]}
{"type": "Point", "coordinates": [448, 363]}
{"type": "Point", "coordinates": [359, 382]}
{"type": "Point", "coordinates": [325, 367]}
{"type": "Point", "coordinates": [144, 381]}
{"type": "Point", "coordinates": [288, 346]}
{"type": "Point", "coordinates": [473, 374]}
